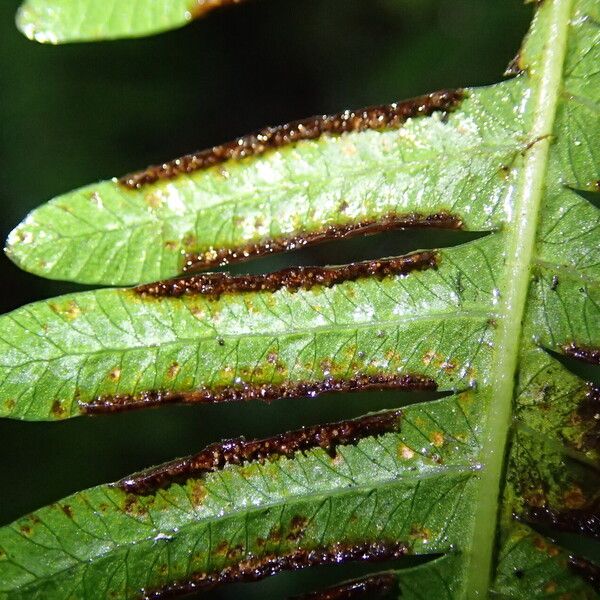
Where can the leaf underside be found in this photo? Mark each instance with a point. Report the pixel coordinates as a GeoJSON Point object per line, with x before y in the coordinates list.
{"type": "Point", "coordinates": [490, 324]}
{"type": "Point", "coordinates": [62, 21]}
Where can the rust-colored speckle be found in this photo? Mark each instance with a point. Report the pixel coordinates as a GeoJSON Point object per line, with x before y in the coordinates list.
{"type": "Point", "coordinates": [235, 553]}
{"type": "Point", "coordinates": [67, 510]}
{"type": "Point", "coordinates": [584, 353]}
{"type": "Point", "coordinates": [388, 116]}
{"type": "Point", "coordinates": [132, 506]}
{"type": "Point", "coordinates": [70, 310]}
{"type": "Point", "coordinates": [418, 532]}
{"type": "Point", "coordinates": [216, 284]}
{"type": "Point", "coordinates": [25, 530]}
{"type": "Point", "coordinates": [173, 370]}
{"type": "Point", "coordinates": [198, 493]}
{"type": "Point", "coordinates": [265, 392]}
{"type": "Point", "coordinates": [297, 527]}
{"type": "Point", "coordinates": [586, 570]}
{"type": "Point", "coordinates": [223, 256]}
{"type": "Point", "coordinates": [275, 535]}
{"type": "Point", "coordinates": [115, 374]}
{"type": "Point", "coordinates": [437, 439]}
{"type": "Point", "coordinates": [221, 548]}
{"type": "Point", "coordinates": [58, 409]}
{"type": "Point", "coordinates": [257, 568]}
{"type": "Point", "coordinates": [371, 586]}
{"type": "Point", "coordinates": [239, 451]}
{"type": "Point", "coordinates": [550, 587]}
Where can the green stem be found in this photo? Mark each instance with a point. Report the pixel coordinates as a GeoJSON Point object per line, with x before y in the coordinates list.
{"type": "Point", "coordinates": [546, 75]}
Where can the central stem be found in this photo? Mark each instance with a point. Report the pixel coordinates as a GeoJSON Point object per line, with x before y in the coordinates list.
{"type": "Point", "coordinates": [545, 75]}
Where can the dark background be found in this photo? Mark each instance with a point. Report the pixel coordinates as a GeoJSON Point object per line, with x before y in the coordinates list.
{"type": "Point", "coordinates": [74, 114]}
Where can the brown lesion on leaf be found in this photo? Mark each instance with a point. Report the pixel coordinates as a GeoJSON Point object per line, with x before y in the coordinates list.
{"type": "Point", "coordinates": [554, 490]}
{"type": "Point", "coordinates": [214, 285]}
{"type": "Point", "coordinates": [239, 451]}
{"type": "Point", "coordinates": [132, 505]}
{"type": "Point", "coordinates": [58, 410]}
{"type": "Point", "coordinates": [264, 392]}
{"type": "Point", "coordinates": [389, 116]}
{"type": "Point", "coordinates": [418, 532]}
{"type": "Point", "coordinates": [69, 310]}
{"type": "Point", "coordinates": [581, 352]}
{"type": "Point", "coordinates": [256, 568]}
{"type": "Point", "coordinates": [370, 586]}
{"type": "Point", "coordinates": [173, 370]}
{"type": "Point", "coordinates": [198, 493]}
{"type": "Point", "coordinates": [218, 257]}
{"type": "Point", "coordinates": [297, 528]}
{"type": "Point", "coordinates": [437, 439]}
{"type": "Point", "coordinates": [67, 510]}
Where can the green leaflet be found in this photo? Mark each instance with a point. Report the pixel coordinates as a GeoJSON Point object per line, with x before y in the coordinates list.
{"type": "Point", "coordinates": [426, 168]}
{"type": "Point", "coordinates": [484, 323]}
{"type": "Point", "coordinates": [60, 355]}
{"type": "Point", "coordinates": [60, 21]}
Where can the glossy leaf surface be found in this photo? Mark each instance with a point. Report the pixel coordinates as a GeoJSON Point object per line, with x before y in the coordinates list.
{"type": "Point", "coordinates": [60, 21]}
{"type": "Point", "coordinates": [491, 324]}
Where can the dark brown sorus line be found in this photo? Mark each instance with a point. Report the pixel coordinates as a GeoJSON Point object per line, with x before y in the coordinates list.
{"type": "Point", "coordinates": [240, 451]}
{"type": "Point", "coordinates": [584, 521]}
{"type": "Point", "coordinates": [587, 570]}
{"type": "Point", "coordinates": [248, 392]}
{"type": "Point", "coordinates": [584, 353]}
{"type": "Point", "coordinates": [255, 569]}
{"type": "Point", "coordinates": [386, 116]}
{"type": "Point", "coordinates": [219, 257]}
{"type": "Point", "coordinates": [215, 284]}
{"type": "Point", "coordinates": [368, 587]}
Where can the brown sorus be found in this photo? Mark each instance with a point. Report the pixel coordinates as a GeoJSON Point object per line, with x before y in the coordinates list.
{"type": "Point", "coordinates": [376, 117]}
{"type": "Point", "coordinates": [585, 521]}
{"type": "Point", "coordinates": [590, 355]}
{"type": "Point", "coordinates": [371, 586]}
{"type": "Point", "coordinates": [240, 451]}
{"type": "Point", "coordinates": [223, 256]}
{"type": "Point", "coordinates": [586, 570]}
{"type": "Point", "coordinates": [589, 413]}
{"type": "Point", "coordinates": [265, 392]}
{"type": "Point", "coordinates": [216, 284]}
{"type": "Point", "coordinates": [255, 569]}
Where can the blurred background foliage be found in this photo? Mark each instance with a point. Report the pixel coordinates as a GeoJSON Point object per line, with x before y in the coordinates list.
{"type": "Point", "coordinates": [74, 114]}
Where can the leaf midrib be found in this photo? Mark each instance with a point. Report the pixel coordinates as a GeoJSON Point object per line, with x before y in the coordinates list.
{"type": "Point", "coordinates": [546, 90]}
